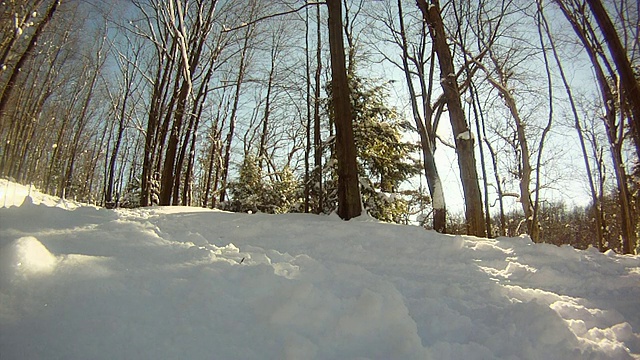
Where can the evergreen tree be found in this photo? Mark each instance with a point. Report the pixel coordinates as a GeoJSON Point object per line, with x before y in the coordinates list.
{"type": "Point", "coordinates": [253, 192]}
{"type": "Point", "coordinates": [287, 193]}
{"type": "Point", "coordinates": [248, 191]}
{"type": "Point", "coordinates": [384, 158]}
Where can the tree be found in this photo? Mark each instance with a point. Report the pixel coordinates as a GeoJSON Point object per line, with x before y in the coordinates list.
{"type": "Point", "coordinates": [349, 205]}
{"type": "Point", "coordinates": [8, 88]}
{"type": "Point", "coordinates": [630, 87]}
{"type": "Point", "coordinates": [249, 31]}
{"type": "Point", "coordinates": [612, 105]}
{"type": "Point", "coordinates": [464, 140]}
{"type": "Point", "coordinates": [384, 159]}
{"type": "Point", "coordinates": [317, 139]}
{"type": "Point", "coordinates": [417, 65]}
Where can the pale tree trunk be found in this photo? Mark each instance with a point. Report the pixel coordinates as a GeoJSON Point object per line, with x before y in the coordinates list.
{"type": "Point", "coordinates": [349, 204]}
{"type": "Point", "coordinates": [599, 219]}
{"type": "Point", "coordinates": [463, 140]}
{"type": "Point", "coordinates": [428, 147]}
{"type": "Point", "coordinates": [525, 170]}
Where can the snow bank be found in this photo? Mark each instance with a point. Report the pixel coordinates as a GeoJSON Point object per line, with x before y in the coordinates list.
{"type": "Point", "coordinates": [168, 283]}
{"type": "Point", "coordinates": [13, 194]}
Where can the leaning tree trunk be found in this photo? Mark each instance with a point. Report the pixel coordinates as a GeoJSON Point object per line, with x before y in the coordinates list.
{"type": "Point", "coordinates": [623, 65]}
{"type": "Point", "coordinates": [8, 88]}
{"type": "Point", "coordinates": [462, 135]}
{"type": "Point", "coordinates": [609, 119]}
{"type": "Point", "coordinates": [349, 204]}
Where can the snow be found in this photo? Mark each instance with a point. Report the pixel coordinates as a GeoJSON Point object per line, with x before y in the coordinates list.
{"type": "Point", "coordinates": [81, 282]}
{"type": "Point", "coordinates": [466, 135]}
{"type": "Point", "coordinates": [438, 195]}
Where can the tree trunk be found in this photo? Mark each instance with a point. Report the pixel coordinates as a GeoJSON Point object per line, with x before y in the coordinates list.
{"type": "Point", "coordinates": [153, 137]}
{"type": "Point", "coordinates": [234, 111]}
{"type": "Point", "coordinates": [307, 150]}
{"type": "Point", "coordinates": [478, 116]}
{"type": "Point", "coordinates": [8, 88]}
{"type": "Point", "coordinates": [349, 204]}
{"type": "Point", "coordinates": [317, 140]}
{"type": "Point", "coordinates": [463, 139]}
{"type": "Point", "coordinates": [108, 197]}
{"type": "Point", "coordinates": [428, 148]}
{"type": "Point", "coordinates": [525, 163]}
{"type": "Point", "coordinates": [615, 139]}
{"type": "Point", "coordinates": [620, 59]}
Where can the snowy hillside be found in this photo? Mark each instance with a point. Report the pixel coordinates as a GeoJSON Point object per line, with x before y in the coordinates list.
{"type": "Point", "coordinates": [78, 282]}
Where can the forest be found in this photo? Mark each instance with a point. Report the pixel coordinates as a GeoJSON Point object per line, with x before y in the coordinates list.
{"type": "Point", "coordinates": [341, 106]}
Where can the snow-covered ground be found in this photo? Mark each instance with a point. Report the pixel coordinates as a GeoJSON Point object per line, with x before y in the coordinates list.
{"type": "Point", "coordinates": [80, 282]}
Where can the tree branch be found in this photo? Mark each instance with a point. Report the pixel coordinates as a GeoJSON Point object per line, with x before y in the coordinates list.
{"type": "Point", "coordinates": [243, 25]}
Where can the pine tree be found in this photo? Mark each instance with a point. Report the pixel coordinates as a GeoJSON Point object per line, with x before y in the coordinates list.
{"type": "Point", "coordinates": [254, 192]}
{"type": "Point", "coordinates": [247, 192]}
{"type": "Point", "coordinates": [384, 158]}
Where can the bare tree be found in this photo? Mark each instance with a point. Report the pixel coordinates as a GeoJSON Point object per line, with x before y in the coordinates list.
{"type": "Point", "coordinates": [249, 30]}
{"type": "Point", "coordinates": [628, 80]}
{"type": "Point", "coordinates": [8, 88]}
{"type": "Point", "coordinates": [464, 140]}
{"type": "Point", "coordinates": [584, 30]}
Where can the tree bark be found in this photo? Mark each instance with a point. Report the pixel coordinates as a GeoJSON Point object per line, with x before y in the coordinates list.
{"type": "Point", "coordinates": [614, 131]}
{"type": "Point", "coordinates": [234, 111]}
{"type": "Point", "coordinates": [317, 140]}
{"type": "Point", "coordinates": [462, 135]}
{"type": "Point", "coordinates": [620, 59]}
{"type": "Point", "coordinates": [349, 204]}
{"type": "Point", "coordinates": [428, 148]}
{"type": "Point", "coordinates": [8, 88]}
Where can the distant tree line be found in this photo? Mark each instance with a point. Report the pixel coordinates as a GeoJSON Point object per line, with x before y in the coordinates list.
{"type": "Point", "coordinates": [336, 105]}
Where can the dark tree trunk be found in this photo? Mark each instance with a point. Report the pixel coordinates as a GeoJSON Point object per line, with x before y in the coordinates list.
{"type": "Point", "coordinates": [8, 88]}
{"type": "Point", "coordinates": [620, 59]}
{"type": "Point", "coordinates": [108, 197]}
{"type": "Point", "coordinates": [614, 133]}
{"type": "Point", "coordinates": [461, 132]}
{"type": "Point", "coordinates": [349, 204]}
{"type": "Point", "coordinates": [317, 141]}
{"type": "Point", "coordinates": [168, 169]}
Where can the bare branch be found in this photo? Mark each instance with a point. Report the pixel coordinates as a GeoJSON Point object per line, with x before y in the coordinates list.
{"type": "Point", "coordinates": [243, 25]}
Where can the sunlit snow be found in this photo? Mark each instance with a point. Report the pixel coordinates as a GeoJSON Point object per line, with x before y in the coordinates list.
{"type": "Point", "coordinates": [80, 282]}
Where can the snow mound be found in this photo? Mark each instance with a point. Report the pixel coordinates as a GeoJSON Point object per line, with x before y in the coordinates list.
{"type": "Point", "coordinates": [184, 283]}
{"type": "Point", "coordinates": [25, 257]}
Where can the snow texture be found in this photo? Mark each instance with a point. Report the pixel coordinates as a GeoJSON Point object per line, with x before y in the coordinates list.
{"type": "Point", "coordinates": [438, 195]}
{"type": "Point", "coordinates": [80, 282]}
{"type": "Point", "coordinates": [467, 135]}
